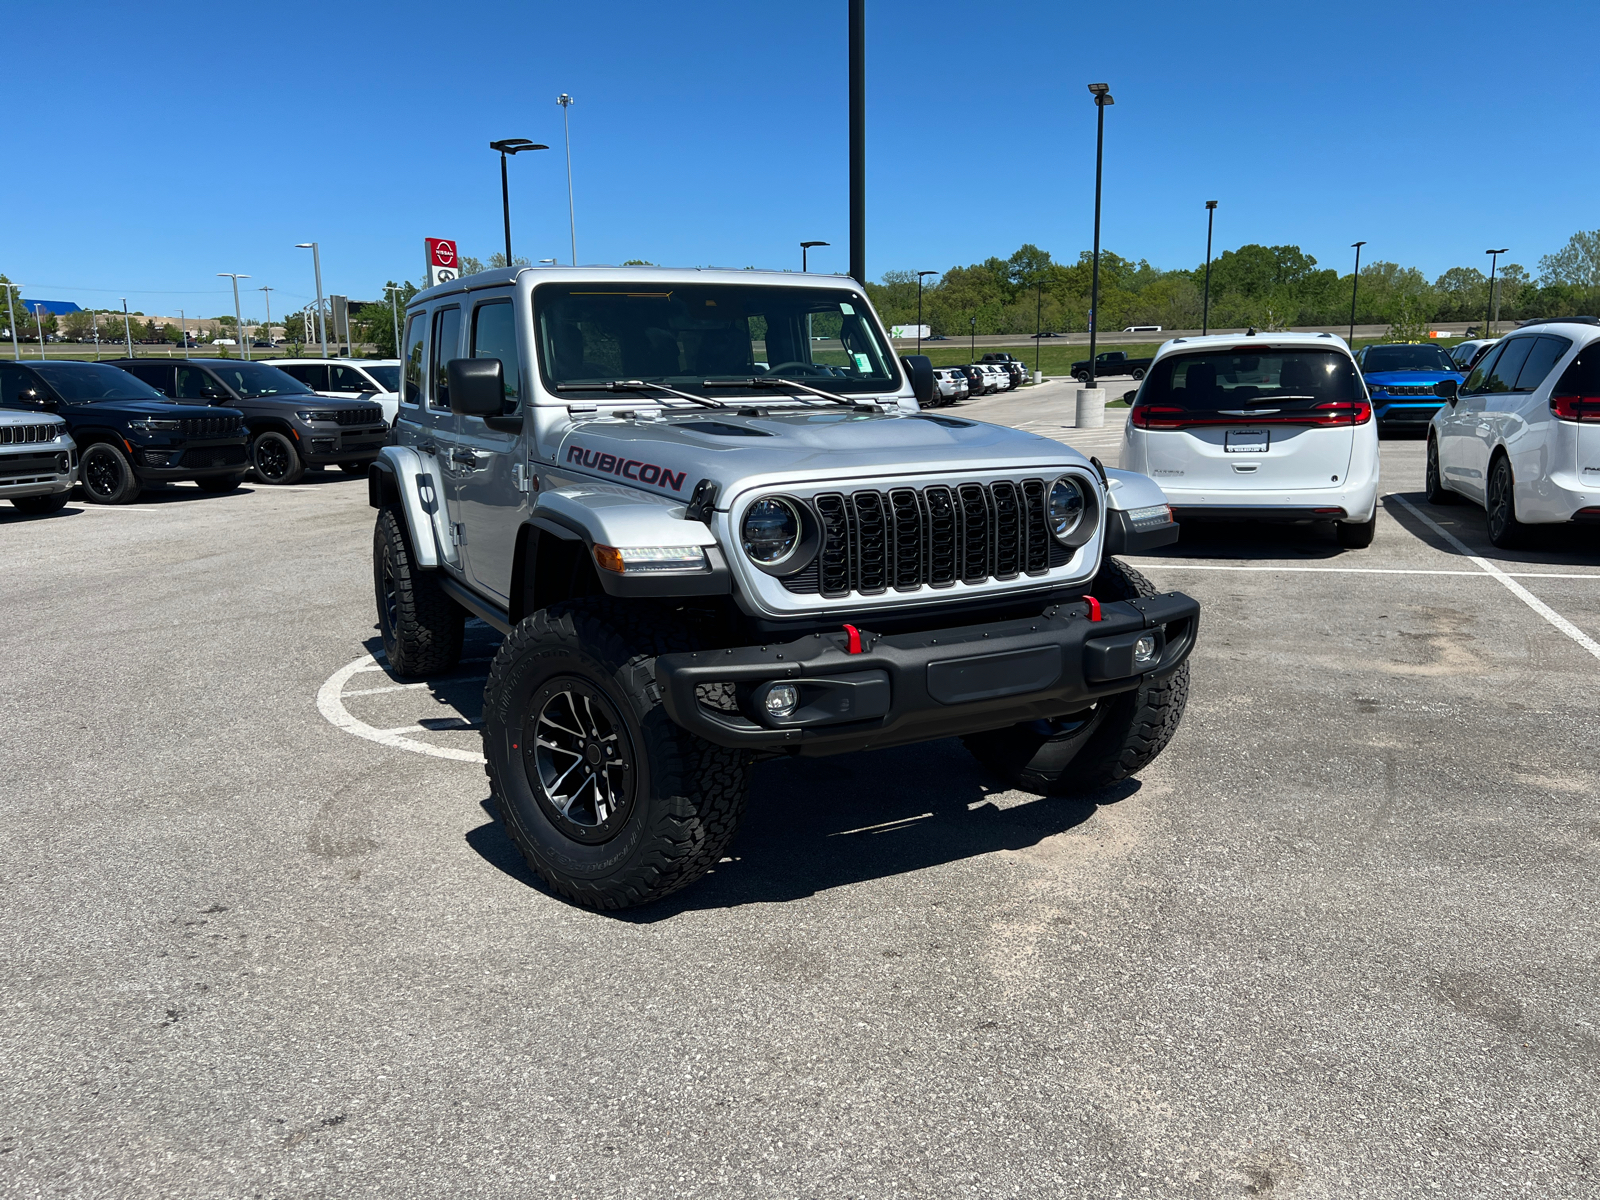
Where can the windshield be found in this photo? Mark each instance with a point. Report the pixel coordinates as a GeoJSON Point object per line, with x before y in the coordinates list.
{"type": "Point", "coordinates": [1222, 381]}
{"type": "Point", "coordinates": [254, 380]}
{"type": "Point", "coordinates": [683, 335]}
{"type": "Point", "coordinates": [1406, 358]}
{"type": "Point", "coordinates": [388, 378]}
{"type": "Point", "coordinates": [84, 383]}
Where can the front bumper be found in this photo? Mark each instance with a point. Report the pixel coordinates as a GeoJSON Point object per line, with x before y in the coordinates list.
{"type": "Point", "coordinates": [913, 687]}
{"type": "Point", "coordinates": [189, 460]}
{"type": "Point", "coordinates": [1407, 413]}
{"type": "Point", "coordinates": [320, 445]}
{"type": "Point", "coordinates": [37, 472]}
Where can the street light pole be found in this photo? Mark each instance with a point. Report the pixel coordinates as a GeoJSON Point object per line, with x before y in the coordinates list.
{"type": "Point", "coordinates": [572, 217]}
{"type": "Point", "coordinates": [1489, 314]}
{"type": "Point", "coordinates": [1355, 284]}
{"type": "Point", "coordinates": [316, 263]}
{"type": "Point", "coordinates": [266, 293]}
{"type": "Point", "coordinates": [394, 309]}
{"type": "Point", "coordinates": [1038, 326]}
{"type": "Point", "coordinates": [38, 319]}
{"type": "Point", "coordinates": [972, 349]}
{"type": "Point", "coordinates": [858, 141]}
{"type": "Point", "coordinates": [127, 329]}
{"type": "Point", "coordinates": [238, 316]}
{"type": "Point", "coordinates": [183, 325]}
{"type": "Point", "coordinates": [11, 312]}
{"type": "Point", "coordinates": [805, 246]}
{"type": "Point", "coordinates": [1102, 98]}
{"type": "Point", "coordinates": [920, 274]}
{"type": "Point", "coordinates": [1205, 310]}
{"type": "Point", "coordinates": [509, 146]}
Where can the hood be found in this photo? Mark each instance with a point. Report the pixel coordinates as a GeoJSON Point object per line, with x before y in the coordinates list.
{"type": "Point", "coordinates": [1414, 378]}
{"type": "Point", "coordinates": [674, 453]}
{"type": "Point", "coordinates": [152, 408]}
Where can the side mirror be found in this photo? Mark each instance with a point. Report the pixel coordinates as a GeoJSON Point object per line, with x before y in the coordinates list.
{"type": "Point", "coordinates": [1130, 394]}
{"type": "Point", "coordinates": [1447, 389]}
{"type": "Point", "coordinates": [477, 386]}
{"type": "Point", "coordinates": [920, 368]}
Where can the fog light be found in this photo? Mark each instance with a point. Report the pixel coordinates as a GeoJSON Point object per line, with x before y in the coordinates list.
{"type": "Point", "coordinates": [1144, 650]}
{"type": "Point", "coordinates": [782, 699]}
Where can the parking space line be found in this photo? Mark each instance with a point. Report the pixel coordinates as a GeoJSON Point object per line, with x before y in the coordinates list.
{"type": "Point", "coordinates": [1511, 585]}
{"type": "Point", "coordinates": [330, 704]}
{"type": "Point", "coordinates": [1193, 566]}
{"type": "Point", "coordinates": [393, 687]}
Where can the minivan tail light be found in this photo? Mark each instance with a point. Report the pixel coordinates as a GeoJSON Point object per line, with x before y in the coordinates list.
{"type": "Point", "coordinates": [1576, 408]}
{"type": "Point", "coordinates": [1333, 413]}
{"type": "Point", "coordinates": [1342, 412]}
{"type": "Point", "coordinates": [1155, 416]}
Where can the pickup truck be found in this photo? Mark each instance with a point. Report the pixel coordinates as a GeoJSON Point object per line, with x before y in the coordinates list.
{"type": "Point", "coordinates": [1112, 362]}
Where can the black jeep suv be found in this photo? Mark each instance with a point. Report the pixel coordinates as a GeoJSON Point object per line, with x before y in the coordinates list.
{"type": "Point", "coordinates": [129, 436]}
{"type": "Point", "coordinates": [291, 427]}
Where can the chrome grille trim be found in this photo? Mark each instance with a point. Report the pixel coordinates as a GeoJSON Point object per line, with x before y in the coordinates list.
{"type": "Point", "coordinates": [27, 435]}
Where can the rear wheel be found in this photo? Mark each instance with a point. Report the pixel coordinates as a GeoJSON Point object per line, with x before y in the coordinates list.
{"type": "Point", "coordinates": [1357, 535]}
{"type": "Point", "coordinates": [1101, 745]}
{"type": "Point", "coordinates": [38, 506]}
{"type": "Point", "coordinates": [1137, 373]}
{"type": "Point", "coordinates": [1505, 531]}
{"type": "Point", "coordinates": [1081, 376]}
{"type": "Point", "coordinates": [421, 627]}
{"type": "Point", "coordinates": [106, 475]}
{"type": "Point", "coordinates": [275, 459]}
{"type": "Point", "coordinates": [1433, 481]}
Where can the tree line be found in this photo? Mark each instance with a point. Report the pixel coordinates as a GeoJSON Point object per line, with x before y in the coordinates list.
{"type": "Point", "coordinates": [1269, 287]}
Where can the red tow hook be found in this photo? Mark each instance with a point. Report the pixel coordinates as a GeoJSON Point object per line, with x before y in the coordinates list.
{"type": "Point", "coordinates": [855, 639]}
{"type": "Point", "coordinates": [1094, 607]}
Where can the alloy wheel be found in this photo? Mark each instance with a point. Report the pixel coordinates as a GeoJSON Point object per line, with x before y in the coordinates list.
{"type": "Point", "coordinates": [1499, 498]}
{"type": "Point", "coordinates": [102, 473]}
{"type": "Point", "coordinates": [579, 760]}
{"type": "Point", "coordinates": [272, 459]}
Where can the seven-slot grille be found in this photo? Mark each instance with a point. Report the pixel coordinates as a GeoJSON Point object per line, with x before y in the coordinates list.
{"type": "Point", "coordinates": [23, 435]}
{"type": "Point", "coordinates": [209, 426]}
{"type": "Point", "coordinates": [358, 416]}
{"type": "Point", "coordinates": [908, 538]}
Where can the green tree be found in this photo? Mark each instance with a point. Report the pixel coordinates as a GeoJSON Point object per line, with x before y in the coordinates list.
{"type": "Point", "coordinates": [375, 322]}
{"type": "Point", "coordinates": [1577, 263]}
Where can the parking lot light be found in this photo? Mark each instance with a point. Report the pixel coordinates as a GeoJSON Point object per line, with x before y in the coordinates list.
{"type": "Point", "coordinates": [266, 293]}
{"type": "Point", "coordinates": [1102, 100]}
{"type": "Point", "coordinates": [1489, 313]}
{"type": "Point", "coordinates": [805, 246]}
{"type": "Point", "coordinates": [920, 274]}
{"type": "Point", "coordinates": [1205, 307]}
{"type": "Point", "coordinates": [394, 310]}
{"type": "Point", "coordinates": [316, 263]}
{"type": "Point", "coordinates": [127, 329]}
{"type": "Point", "coordinates": [238, 316]}
{"type": "Point", "coordinates": [1355, 283]}
{"type": "Point", "coordinates": [38, 320]}
{"type": "Point", "coordinates": [509, 146]}
{"type": "Point", "coordinates": [566, 126]}
{"type": "Point", "coordinates": [183, 328]}
{"type": "Point", "coordinates": [11, 315]}
{"type": "Point", "coordinates": [972, 353]}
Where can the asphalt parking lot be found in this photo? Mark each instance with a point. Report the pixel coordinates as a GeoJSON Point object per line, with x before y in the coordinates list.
{"type": "Point", "coordinates": [264, 941]}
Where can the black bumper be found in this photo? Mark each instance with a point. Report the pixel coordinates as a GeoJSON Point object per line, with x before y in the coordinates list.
{"type": "Point", "coordinates": [347, 445]}
{"type": "Point", "coordinates": [914, 687]}
{"type": "Point", "coordinates": [1261, 512]}
{"type": "Point", "coordinates": [191, 460]}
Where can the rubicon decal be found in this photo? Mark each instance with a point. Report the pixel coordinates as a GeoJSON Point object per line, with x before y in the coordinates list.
{"type": "Point", "coordinates": [628, 468]}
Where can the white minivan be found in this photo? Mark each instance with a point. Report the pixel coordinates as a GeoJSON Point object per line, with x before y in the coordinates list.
{"type": "Point", "coordinates": [1521, 436]}
{"type": "Point", "coordinates": [374, 379]}
{"type": "Point", "coordinates": [1259, 427]}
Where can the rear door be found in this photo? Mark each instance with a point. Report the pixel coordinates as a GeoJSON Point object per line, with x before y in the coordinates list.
{"type": "Point", "coordinates": [157, 375]}
{"type": "Point", "coordinates": [313, 375]}
{"type": "Point", "coordinates": [348, 380]}
{"type": "Point", "coordinates": [489, 465]}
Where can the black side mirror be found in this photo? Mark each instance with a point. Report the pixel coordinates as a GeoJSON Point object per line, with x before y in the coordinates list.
{"type": "Point", "coordinates": [920, 368]}
{"type": "Point", "coordinates": [1447, 389]}
{"type": "Point", "coordinates": [477, 386]}
{"type": "Point", "coordinates": [1130, 394]}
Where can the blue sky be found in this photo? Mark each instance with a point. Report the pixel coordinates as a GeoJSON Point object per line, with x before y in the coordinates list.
{"type": "Point", "coordinates": [715, 133]}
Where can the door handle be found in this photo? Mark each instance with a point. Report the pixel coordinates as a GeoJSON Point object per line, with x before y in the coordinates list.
{"type": "Point", "coordinates": [466, 458]}
{"type": "Point", "coordinates": [428, 448]}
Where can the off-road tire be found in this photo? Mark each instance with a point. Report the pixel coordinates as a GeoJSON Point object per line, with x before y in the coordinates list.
{"type": "Point", "coordinates": [1433, 480]}
{"type": "Point", "coordinates": [1087, 751]}
{"type": "Point", "coordinates": [275, 460]}
{"type": "Point", "coordinates": [107, 475]}
{"type": "Point", "coordinates": [1500, 506]}
{"type": "Point", "coordinates": [1356, 535]}
{"type": "Point", "coordinates": [420, 625]}
{"type": "Point", "coordinates": [687, 795]}
{"type": "Point", "coordinates": [217, 484]}
{"type": "Point", "coordinates": [38, 506]}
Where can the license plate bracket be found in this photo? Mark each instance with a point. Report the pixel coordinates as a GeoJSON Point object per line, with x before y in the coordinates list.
{"type": "Point", "coordinates": [1247, 441]}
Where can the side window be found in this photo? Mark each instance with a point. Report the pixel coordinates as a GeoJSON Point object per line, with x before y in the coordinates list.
{"type": "Point", "coordinates": [416, 326]}
{"type": "Point", "coordinates": [446, 345]}
{"type": "Point", "coordinates": [13, 382]}
{"type": "Point", "coordinates": [195, 384]}
{"type": "Point", "coordinates": [1502, 376]}
{"type": "Point", "coordinates": [347, 379]}
{"type": "Point", "coordinates": [1474, 381]}
{"type": "Point", "coordinates": [157, 375]}
{"type": "Point", "coordinates": [1546, 352]}
{"type": "Point", "coordinates": [494, 335]}
{"type": "Point", "coordinates": [313, 375]}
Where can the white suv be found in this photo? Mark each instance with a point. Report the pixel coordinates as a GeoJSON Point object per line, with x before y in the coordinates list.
{"type": "Point", "coordinates": [374, 379]}
{"type": "Point", "coordinates": [1522, 435]}
{"type": "Point", "coordinates": [1273, 427]}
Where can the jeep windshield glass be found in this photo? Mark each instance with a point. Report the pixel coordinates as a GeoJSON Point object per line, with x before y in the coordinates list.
{"type": "Point", "coordinates": [388, 378]}
{"type": "Point", "coordinates": [684, 335]}
{"type": "Point", "coordinates": [1406, 358]}
{"type": "Point", "coordinates": [1219, 382]}
{"type": "Point", "coordinates": [85, 383]}
{"type": "Point", "coordinates": [253, 380]}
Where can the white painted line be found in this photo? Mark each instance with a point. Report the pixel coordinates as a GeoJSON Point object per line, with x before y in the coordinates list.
{"type": "Point", "coordinates": [1182, 565]}
{"type": "Point", "coordinates": [885, 826]}
{"type": "Point", "coordinates": [393, 687]}
{"type": "Point", "coordinates": [330, 704]}
{"type": "Point", "coordinates": [1511, 585]}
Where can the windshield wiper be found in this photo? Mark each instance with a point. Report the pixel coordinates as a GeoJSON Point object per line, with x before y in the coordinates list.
{"type": "Point", "coordinates": [764, 382]}
{"type": "Point", "coordinates": [637, 385]}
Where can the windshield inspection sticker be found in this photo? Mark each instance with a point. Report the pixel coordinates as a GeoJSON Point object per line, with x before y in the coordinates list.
{"type": "Point", "coordinates": [863, 363]}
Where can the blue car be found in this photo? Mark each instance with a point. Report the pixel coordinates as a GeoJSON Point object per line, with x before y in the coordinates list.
{"type": "Point", "coordinates": [1401, 378]}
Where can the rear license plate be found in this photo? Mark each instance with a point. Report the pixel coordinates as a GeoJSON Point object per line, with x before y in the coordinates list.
{"type": "Point", "coordinates": [1247, 441]}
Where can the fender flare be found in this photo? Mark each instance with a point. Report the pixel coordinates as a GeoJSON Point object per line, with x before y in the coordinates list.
{"type": "Point", "coordinates": [611, 515]}
{"type": "Point", "coordinates": [411, 483]}
{"type": "Point", "coordinates": [1127, 491]}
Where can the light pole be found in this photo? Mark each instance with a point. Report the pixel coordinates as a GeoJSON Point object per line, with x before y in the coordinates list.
{"type": "Point", "coordinates": [94, 324]}
{"type": "Point", "coordinates": [11, 312]}
{"type": "Point", "coordinates": [38, 319]}
{"type": "Point", "coordinates": [183, 325]}
{"type": "Point", "coordinates": [920, 274]}
{"type": "Point", "coordinates": [238, 317]}
{"type": "Point", "coordinates": [509, 146]}
{"type": "Point", "coordinates": [127, 329]}
{"type": "Point", "coordinates": [394, 309]}
{"type": "Point", "coordinates": [1102, 99]}
{"type": "Point", "coordinates": [804, 247]}
{"type": "Point", "coordinates": [858, 141]}
{"type": "Point", "coordinates": [1489, 315]}
{"type": "Point", "coordinates": [972, 348]}
{"type": "Point", "coordinates": [1355, 283]}
{"type": "Point", "coordinates": [572, 219]}
{"type": "Point", "coordinates": [266, 293]}
{"type": "Point", "coordinates": [316, 263]}
{"type": "Point", "coordinates": [1038, 327]}
{"type": "Point", "coordinates": [1205, 308]}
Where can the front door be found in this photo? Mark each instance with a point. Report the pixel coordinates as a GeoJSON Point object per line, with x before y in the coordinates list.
{"type": "Point", "coordinates": [490, 464]}
{"type": "Point", "coordinates": [1459, 426]}
{"type": "Point", "coordinates": [440, 428]}
{"type": "Point", "coordinates": [1479, 423]}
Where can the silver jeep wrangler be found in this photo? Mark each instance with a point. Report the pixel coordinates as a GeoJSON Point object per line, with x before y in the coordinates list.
{"type": "Point", "coordinates": [709, 516]}
{"type": "Point", "coordinates": [38, 461]}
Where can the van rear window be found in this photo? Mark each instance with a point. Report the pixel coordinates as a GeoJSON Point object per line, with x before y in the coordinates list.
{"type": "Point", "coordinates": [1218, 381]}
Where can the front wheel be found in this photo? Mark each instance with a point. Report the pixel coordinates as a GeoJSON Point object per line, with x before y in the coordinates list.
{"type": "Point", "coordinates": [612, 804]}
{"type": "Point", "coordinates": [420, 625]}
{"type": "Point", "coordinates": [38, 506]}
{"type": "Point", "coordinates": [1505, 531]}
{"type": "Point", "coordinates": [275, 459]}
{"type": "Point", "coordinates": [106, 475]}
{"type": "Point", "coordinates": [1116, 737]}
{"type": "Point", "coordinates": [1433, 480]}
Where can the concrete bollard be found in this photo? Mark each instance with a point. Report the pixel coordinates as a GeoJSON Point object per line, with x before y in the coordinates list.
{"type": "Point", "coordinates": [1091, 408]}
{"type": "Point", "coordinates": [1038, 377]}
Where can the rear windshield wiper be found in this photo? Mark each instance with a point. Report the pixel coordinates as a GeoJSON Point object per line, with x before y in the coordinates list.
{"type": "Point", "coordinates": [637, 385]}
{"type": "Point", "coordinates": [765, 382]}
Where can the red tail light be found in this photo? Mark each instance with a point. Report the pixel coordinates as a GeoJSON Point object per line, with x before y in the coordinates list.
{"type": "Point", "coordinates": [1576, 408]}
{"type": "Point", "coordinates": [1338, 412]}
{"type": "Point", "coordinates": [1156, 416]}
{"type": "Point", "coordinates": [1342, 412]}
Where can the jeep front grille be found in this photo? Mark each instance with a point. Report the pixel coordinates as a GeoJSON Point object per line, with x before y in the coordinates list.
{"type": "Point", "coordinates": [23, 435]}
{"type": "Point", "coordinates": [210, 426]}
{"type": "Point", "coordinates": [358, 416]}
{"type": "Point", "coordinates": [910, 538]}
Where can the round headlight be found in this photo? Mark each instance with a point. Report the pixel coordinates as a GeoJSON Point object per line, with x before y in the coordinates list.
{"type": "Point", "coordinates": [1066, 507]}
{"type": "Point", "coordinates": [771, 531]}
